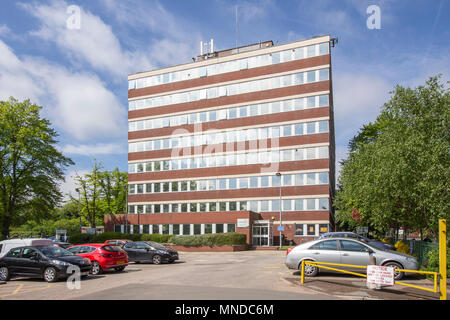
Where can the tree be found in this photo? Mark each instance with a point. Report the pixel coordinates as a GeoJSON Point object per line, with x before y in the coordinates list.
{"type": "Point", "coordinates": [102, 192]}
{"type": "Point", "coordinates": [113, 185]}
{"type": "Point", "coordinates": [90, 192]}
{"type": "Point", "coordinates": [30, 165]}
{"type": "Point", "coordinates": [397, 172]}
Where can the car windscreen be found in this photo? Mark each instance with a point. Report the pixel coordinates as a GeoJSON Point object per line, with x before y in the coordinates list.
{"type": "Point", "coordinates": [111, 248]}
{"type": "Point", "coordinates": [55, 252]}
{"type": "Point", "coordinates": [156, 245]}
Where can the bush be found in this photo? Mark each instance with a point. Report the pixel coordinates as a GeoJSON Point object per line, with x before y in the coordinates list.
{"type": "Point", "coordinates": [161, 238]}
{"type": "Point", "coordinates": [217, 239]}
{"type": "Point", "coordinates": [433, 262]}
{"type": "Point", "coordinates": [402, 246]}
{"type": "Point", "coordinates": [78, 238]}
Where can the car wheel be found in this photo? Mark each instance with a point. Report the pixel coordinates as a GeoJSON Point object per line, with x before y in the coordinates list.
{"type": "Point", "coordinates": [96, 268]}
{"type": "Point", "coordinates": [119, 269]}
{"type": "Point", "coordinates": [398, 275]}
{"type": "Point", "coordinates": [156, 259]}
{"type": "Point", "coordinates": [310, 271]}
{"type": "Point", "coordinates": [4, 274]}
{"type": "Point", "coordinates": [50, 274]}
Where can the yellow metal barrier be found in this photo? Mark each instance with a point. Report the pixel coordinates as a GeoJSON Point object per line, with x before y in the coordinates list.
{"type": "Point", "coordinates": [324, 265]}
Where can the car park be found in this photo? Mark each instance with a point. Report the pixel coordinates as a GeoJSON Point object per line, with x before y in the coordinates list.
{"type": "Point", "coordinates": [7, 245]}
{"type": "Point", "coordinates": [150, 251]}
{"type": "Point", "coordinates": [48, 262]}
{"type": "Point", "coordinates": [347, 251]}
{"type": "Point", "coordinates": [378, 244]}
{"type": "Point", "coordinates": [102, 256]}
{"type": "Point", "coordinates": [117, 242]}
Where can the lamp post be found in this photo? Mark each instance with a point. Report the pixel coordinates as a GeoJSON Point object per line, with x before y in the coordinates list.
{"type": "Point", "coordinates": [126, 207]}
{"type": "Point", "coordinates": [79, 213]}
{"type": "Point", "coordinates": [278, 174]}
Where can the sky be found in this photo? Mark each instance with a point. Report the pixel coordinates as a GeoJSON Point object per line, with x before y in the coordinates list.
{"type": "Point", "coordinates": [73, 58]}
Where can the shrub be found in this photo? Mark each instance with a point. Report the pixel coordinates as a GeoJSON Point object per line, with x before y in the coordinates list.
{"type": "Point", "coordinates": [402, 246]}
{"type": "Point", "coordinates": [217, 239]}
{"type": "Point", "coordinates": [80, 238]}
{"type": "Point", "coordinates": [433, 262]}
{"type": "Point", "coordinates": [161, 238]}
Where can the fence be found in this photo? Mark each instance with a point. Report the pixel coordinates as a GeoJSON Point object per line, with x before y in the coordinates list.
{"type": "Point", "coordinates": [420, 250]}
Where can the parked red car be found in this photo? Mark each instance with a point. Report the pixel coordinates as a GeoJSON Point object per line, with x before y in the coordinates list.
{"type": "Point", "coordinates": [103, 256]}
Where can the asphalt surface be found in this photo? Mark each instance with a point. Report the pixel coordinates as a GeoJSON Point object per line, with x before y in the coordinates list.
{"type": "Point", "coordinates": [247, 275]}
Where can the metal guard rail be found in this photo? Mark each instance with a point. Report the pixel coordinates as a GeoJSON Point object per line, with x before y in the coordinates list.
{"type": "Point", "coordinates": [321, 265]}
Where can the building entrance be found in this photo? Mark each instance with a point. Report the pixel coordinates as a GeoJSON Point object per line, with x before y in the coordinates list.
{"type": "Point", "coordinates": [262, 233]}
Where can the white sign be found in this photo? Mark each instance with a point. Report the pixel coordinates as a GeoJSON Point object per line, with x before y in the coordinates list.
{"type": "Point", "coordinates": [380, 275]}
{"type": "Point", "coordinates": [242, 223]}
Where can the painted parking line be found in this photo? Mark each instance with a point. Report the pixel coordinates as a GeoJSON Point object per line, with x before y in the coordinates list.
{"type": "Point", "coordinates": [21, 289]}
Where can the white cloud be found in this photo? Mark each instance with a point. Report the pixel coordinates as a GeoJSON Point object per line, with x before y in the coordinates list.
{"type": "Point", "coordinates": [94, 149]}
{"type": "Point", "coordinates": [69, 185]}
{"type": "Point", "coordinates": [78, 104]}
{"type": "Point", "coordinates": [94, 42]}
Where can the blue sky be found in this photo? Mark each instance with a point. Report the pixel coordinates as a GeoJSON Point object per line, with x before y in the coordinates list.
{"type": "Point", "coordinates": [80, 76]}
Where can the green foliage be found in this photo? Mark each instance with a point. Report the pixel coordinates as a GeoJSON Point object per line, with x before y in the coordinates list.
{"type": "Point", "coordinates": [30, 165]}
{"type": "Point", "coordinates": [217, 239]}
{"type": "Point", "coordinates": [160, 238]}
{"type": "Point", "coordinates": [402, 246]}
{"type": "Point", "coordinates": [397, 173]}
{"type": "Point", "coordinates": [78, 238]}
{"type": "Point", "coordinates": [433, 262]}
{"type": "Point", "coordinates": [101, 192]}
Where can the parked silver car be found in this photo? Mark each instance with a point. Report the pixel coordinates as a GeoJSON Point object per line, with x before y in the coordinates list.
{"type": "Point", "coordinates": [347, 251]}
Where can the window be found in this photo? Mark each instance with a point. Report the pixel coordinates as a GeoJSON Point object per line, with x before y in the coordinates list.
{"type": "Point", "coordinates": [264, 181]}
{"type": "Point", "coordinates": [186, 229]}
{"type": "Point", "coordinates": [208, 228]}
{"type": "Point", "coordinates": [155, 228]}
{"type": "Point", "coordinates": [219, 227]}
{"type": "Point", "coordinates": [231, 227]}
{"type": "Point", "coordinates": [29, 253]}
{"type": "Point", "coordinates": [310, 204]}
{"type": "Point", "coordinates": [323, 228]}
{"type": "Point", "coordinates": [298, 204]}
{"type": "Point", "coordinates": [311, 76]}
{"type": "Point", "coordinates": [176, 229]}
{"type": "Point", "coordinates": [253, 182]}
{"type": "Point", "coordinates": [193, 207]}
{"type": "Point", "coordinates": [347, 245]}
{"type": "Point", "coordinates": [298, 230]}
{"type": "Point", "coordinates": [311, 229]}
{"type": "Point", "coordinates": [197, 228]}
{"type": "Point", "coordinates": [212, 206]}
{"type": "Point", "coordinates": [323, 100]}
{"type": "Point", "coordinates": [323, 204]}
{"type": "Point", "coordinates": [325, 245]}
{"type": "Point", "coordinates": [323, 74]}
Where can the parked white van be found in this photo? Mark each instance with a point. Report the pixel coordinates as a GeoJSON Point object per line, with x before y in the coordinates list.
{"type": "Point", "coordinates": [7, 245]}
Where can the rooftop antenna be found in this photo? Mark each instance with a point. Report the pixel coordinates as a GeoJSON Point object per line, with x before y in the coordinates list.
{"type": "Point", "coordinates": [236, 26]}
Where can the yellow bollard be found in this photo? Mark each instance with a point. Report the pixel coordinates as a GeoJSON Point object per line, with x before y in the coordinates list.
{"type": "Point", "coordinates": [443, 259]}
{"type": "Point", "coordinates": [303, 272]}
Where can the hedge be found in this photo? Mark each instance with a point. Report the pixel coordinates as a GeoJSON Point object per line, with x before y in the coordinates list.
{"type": "Point", "coordinates": [216, 239]}
{"type": "Point", "coordinates": [80, 238]}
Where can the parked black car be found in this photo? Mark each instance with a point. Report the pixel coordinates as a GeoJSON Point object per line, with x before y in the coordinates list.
{"type": "Point", "coordinates": [343, 234]}
{"type": "Point", "coordinates": [48, 262]}
{"type": "Point", "coordinates": [154, 252]}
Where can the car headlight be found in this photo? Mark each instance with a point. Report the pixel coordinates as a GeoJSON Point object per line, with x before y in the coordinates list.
{"type": "Point", "coordinates": [61, 263]}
